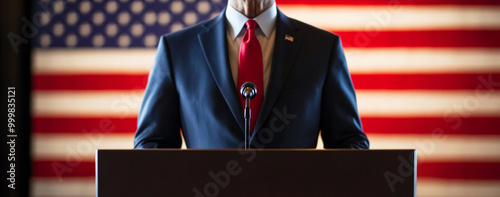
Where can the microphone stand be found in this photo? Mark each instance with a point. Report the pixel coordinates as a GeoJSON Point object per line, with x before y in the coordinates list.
{"type": "Point", "coordinates": [247, 115]}
{"type": "Point", "coordinates": [248, 91]}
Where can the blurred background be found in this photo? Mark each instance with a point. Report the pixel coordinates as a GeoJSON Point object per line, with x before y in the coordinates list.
{"type": "Point", "coordinates": [426, 73]}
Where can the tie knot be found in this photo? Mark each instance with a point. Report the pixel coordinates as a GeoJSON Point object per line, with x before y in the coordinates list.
{"type": "Point", "coordinates": [251, 24]}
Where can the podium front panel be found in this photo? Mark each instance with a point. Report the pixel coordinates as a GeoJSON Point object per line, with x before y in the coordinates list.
{"type": "Point", "coordinates": [210, 173]}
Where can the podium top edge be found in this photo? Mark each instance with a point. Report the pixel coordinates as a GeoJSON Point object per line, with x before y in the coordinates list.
{"type": "Point", "coordinates": [267, 150]}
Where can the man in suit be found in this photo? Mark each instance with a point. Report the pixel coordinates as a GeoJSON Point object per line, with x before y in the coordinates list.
{"type": "Point", "coordinates": [302, 80]}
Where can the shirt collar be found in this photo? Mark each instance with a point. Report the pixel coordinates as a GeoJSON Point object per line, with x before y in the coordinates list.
{"type": "Point", "coordinates": [266, 20]}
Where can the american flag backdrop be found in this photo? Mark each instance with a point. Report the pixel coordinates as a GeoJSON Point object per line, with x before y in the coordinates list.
{"type": "Point", "coordinates": [426, 73]}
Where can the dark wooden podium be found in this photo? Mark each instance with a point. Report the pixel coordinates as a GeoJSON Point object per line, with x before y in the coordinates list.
{"type": "Point", "coordinates": [256, 173]}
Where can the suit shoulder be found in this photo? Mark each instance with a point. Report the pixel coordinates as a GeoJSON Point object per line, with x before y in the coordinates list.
{"type": "Point", "coordinates": [188, 33]}
{"type": "Point", "coordinates": [310, 30]}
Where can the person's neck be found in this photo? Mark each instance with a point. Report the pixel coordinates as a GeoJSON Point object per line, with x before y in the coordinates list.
{"type": "Point", "coordinates": [251, 8]}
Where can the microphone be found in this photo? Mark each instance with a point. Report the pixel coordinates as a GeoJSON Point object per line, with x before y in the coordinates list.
{"type": "Point", "coordinates": [248, 90]}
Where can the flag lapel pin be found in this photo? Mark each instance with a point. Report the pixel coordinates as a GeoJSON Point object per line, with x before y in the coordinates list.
{"type": "Point", "coordinates": [289, 38]}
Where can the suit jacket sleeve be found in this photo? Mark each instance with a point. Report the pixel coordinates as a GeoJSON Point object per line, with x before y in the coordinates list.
{"type": "Point", "coordinates": [158, 124]}
{"type": "Point", "coordinates": [340, 123]}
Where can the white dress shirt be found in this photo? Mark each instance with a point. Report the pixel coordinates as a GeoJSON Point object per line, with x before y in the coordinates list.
{"type": "Point", "coordinates": [265, 33]}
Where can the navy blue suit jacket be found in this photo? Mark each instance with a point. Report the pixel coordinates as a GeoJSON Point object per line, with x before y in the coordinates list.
{"type": "Point", "coordinates": [190, 88]}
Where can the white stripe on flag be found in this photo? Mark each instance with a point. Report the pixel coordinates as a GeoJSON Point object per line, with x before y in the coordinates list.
{"type": "Point", "coordinates": [422, 60]}
{"type": "Point", "coordinates": [422, 103]}
{"type": "Point", "coordinates": [378, 103]}
{"type": "Point", "coordinates": [442, 147]}
{"type": "Point", "coordinates": [360, 60]}
{"type": "Point", "coordinates": [93, 61]}
{"type": "Point", "coordinates": [119, 104]}
{"type": "Point", "coordinates": [59, 147]}
{"type": "Point", "coordinates": [428, 187]}
{"type": "Point", "coordinates": [81, 187]}
{"type": "Point", "coordinates": [362, 18]}
{"type": "Point", "coordinates": [429, 148]}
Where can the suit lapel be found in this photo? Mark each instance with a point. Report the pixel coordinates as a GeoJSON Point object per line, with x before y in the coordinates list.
{"type": "Point", "coordinates": [214, 44]}
{"type": "Point", "coordinates": [285, 51]}
{"type": "Point", "coordinates": [213, 41]}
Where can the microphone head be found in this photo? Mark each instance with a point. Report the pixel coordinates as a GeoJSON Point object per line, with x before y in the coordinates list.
{"type": "Point", "coordinates": [248, 89]}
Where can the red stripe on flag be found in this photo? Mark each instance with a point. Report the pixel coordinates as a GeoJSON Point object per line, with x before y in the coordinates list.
{"type": "Point", "coordinates": [396, 2]}
{"type": "Point", "coordinates": [422, 125]}
{"type": "Point", "coordinates": [426, 81]}
{"type": "Point", "coordinates": [371, 125]}
{"type": "Point", "coordinates": [445, 170]}
{"type": "Point", "coordinates": [63, 169]}
{"type": "Point", "coordinates": [89, 82]}
{"type": "Point", "coordinates": [438, 38]}
{"type": "Point", "coordinates": [84, 125]}
{"type": "Point", "coordinates": [361, 81]}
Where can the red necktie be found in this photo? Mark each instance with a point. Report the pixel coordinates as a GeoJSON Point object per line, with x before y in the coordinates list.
{"type": "Point", "coordinates": [250, 69]}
